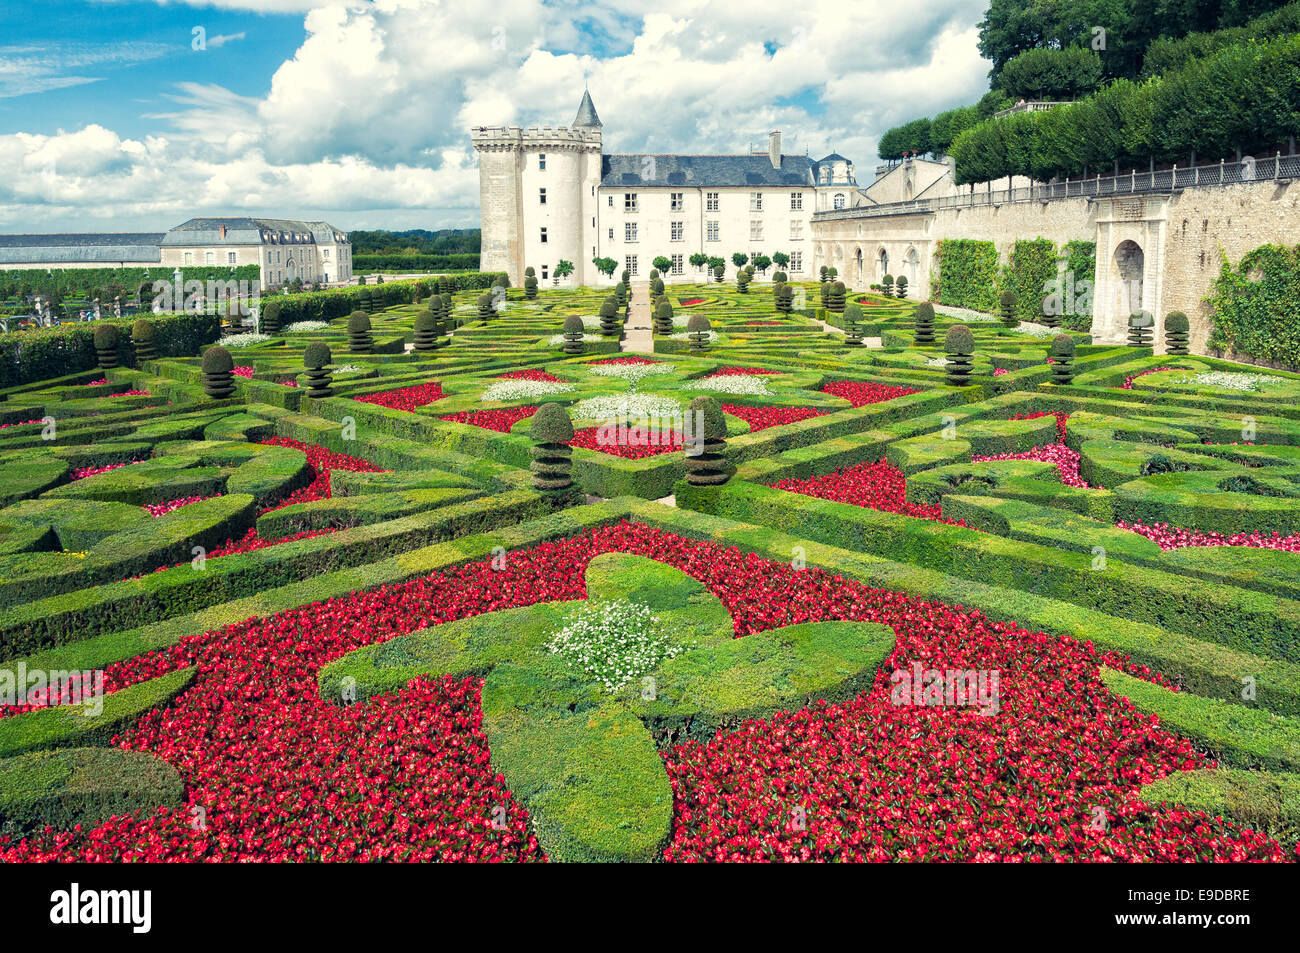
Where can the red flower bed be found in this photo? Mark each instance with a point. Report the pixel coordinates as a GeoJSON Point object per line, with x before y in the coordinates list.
{"type": "Point", "coordinates": [498, 420]}
{"type": "Point", "coordinates": [21, 423]}
{"type": "Point", "coordinates": [321, 461]}
{"type": "Point", "coordinates": [158, 509]}
{"type": "Point", "coordinates": [739, 372]}
{"type": "Point", "coordinates": [1174, 537]}
{"type": "Point", "coordinates": [406, 398]}
{"type": "Point", "coordinates": [80, 473]}
{"type": "Point", "coordinates": [665, 441]}
{"type": "Point", "coordinates": [275, 773]}
{"type": "Point", "coordinates": [688, 302]}
{"type": "Point", "coordinates": [626, 360]}
{"type": "Point", "coordinates": [760, 418]}
{"type": "Point", "coordinates": [128, 393]}
{"type": "Point", "coordinates": [1061, 417]}
{"type": "Point", "coordinates": [877, 486]}
{"type": "Point", "coordinates": [1128, 381]}
{"type": "Point", "coordinates": [528, 375]}
{"type": "Point", "coordinates": [1066, 460]}
{"type": "Point", "coordinates": [242, 370]}
{"type": "Point", "coordinates": [859, 393]}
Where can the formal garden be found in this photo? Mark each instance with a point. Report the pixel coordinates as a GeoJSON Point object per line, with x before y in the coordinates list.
{"type": "Point", "coordinates": [442, 570]}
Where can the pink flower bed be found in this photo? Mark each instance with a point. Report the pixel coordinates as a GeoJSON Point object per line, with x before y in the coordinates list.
{"type": "Point", "coordinates": [739, 372]}
{"type": "Point", "coordinates": [626, 360]}
{"type": "Point", "coordinates": [528, 375]}
{"type": "Point", "coordinates": [877, 486]}
{"type": "Point", "coordinates": [158, 509]}
{"type": "Point", "coordinates": [1065, 459]}
{"type": "Point", "coordinates": [80, 473]}
{"type": "Point", "coordinates": [1128, 381]}
{"type": "Point", "coordinates": [499, 420]}
{"type": "Point", "coordinates": [1173, 537]}
{"type": "Point", "coordinates": [242, 370]}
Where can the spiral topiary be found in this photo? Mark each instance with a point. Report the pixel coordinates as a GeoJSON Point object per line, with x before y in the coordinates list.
{"type": "Point", "coordinates": [426, 330]}
{"type": "Point", "coordinates": [887, 286]}
{"type": "Point", "coordinates": [360, 340]}
{"type": "Point", "coordinates": [654, 275]}
{"type": "Point", "coordinates": [218, 372]}
{"type": "Point", "coordinates": [835, 300]}
{"type": "Point", "coordinates": [107, 338]}
{"type": "Point", "coordinates": [484, 304]}
{"type": "Point", "coordinates": [530, 272]}
{"type": "Point", "coordinates": [663, 318]}
{"type": "Point", "coordinates": [269, 317]}
{"type": "Point", "coordinates": [1062, 359]}
{"type": "Point", "coordinates": [784, 298]}
{"type": "Point", "coordinates": [959, 345]}
{"type": "Point", "coordinates": [552, 463]}
{"type": "Point", "coordinates": [316, 358]}
{"type": "Point", "coordinates": [742, 281]}
{"type": "Point", "coordinates": [824, 289]}
{"type": "Point", "coordinates": [530, 287]}
{"type": "Point", "coordinates": [900, 288]}
{"type": "Point", "coordinates": [706, 444]}
{"type": "Point", "coordinates": [718, 272]}
{"type": "Point", "coordinates": [1010, 304]}
{"type": "Point", "coordinates": [698, 327]}
{"type": "Point", "coordinates": [365, 298]}
{"type": "Point", "coordinates": [924, 334]}
{"type": "Point", "coordinates": [573, 331]}
{"type": "Point", "coordinates": [824, 275]}
{"type": "Point", "coordinates": [1139, 329]}
{"type": "Point", "coordinates": [852, 320]}
{"type": "Point", "coordinates": [657, 286]}
{"type": "Point", "coordinates": [142, 336]}
{"type": "Point", "coordinates": [610, 325]}
{"type": "Point", "coordinates": [1050, 320]}
{"type": "Point", "coordinates": [1176, 328]}
{"type": "Point", "coordinates": [620, 292]}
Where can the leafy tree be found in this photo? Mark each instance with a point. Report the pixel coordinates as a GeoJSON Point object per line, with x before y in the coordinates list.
{"type": "Point", "coordinates": [762, 263]}
{"type": "Point", "coordinates": [781, 259]}
{"type": "Point", "coordinates": [1046, 73]}
{"type": "Point", "coordinates": [663, 263]}
{"type": "Point", "coordinates": [605, 266]}
{"type": "Point", "coordinates": [699, 259]}
{"type": "Point", "coordinates": [739, 258]}
{"type": "Point", "coordinates": [563, 269]}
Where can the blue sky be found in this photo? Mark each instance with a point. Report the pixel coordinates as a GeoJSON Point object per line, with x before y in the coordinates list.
{"type": "Point", "coordinates": [357, 111]}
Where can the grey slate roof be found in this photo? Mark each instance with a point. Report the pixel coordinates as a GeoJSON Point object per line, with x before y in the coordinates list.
{"type": "Point", "coordinates": [92, 248]}
{"type": "Point", "coordinates": [704, 171]}
{"type": "Point", "coordinates": [248, 231]}
{"type": "Point", "coordinates": [586, 112]}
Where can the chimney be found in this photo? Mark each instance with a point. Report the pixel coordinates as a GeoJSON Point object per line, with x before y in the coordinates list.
{"type": "Point", "coordinates": [774, 148]}
{"type": "Point", "coordinates": [221, 229]}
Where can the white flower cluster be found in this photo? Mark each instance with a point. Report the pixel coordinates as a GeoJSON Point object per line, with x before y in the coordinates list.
{"type": "Point", "coordinates": [245, 340]}
{"type": "Point", "coordinates": [557, 339]}
{"type": "Point", "coordinates": [523, 390]}
{"type": "Point", "coordinates": [632, 373]}
{"type": "Point", "coordinates": [615, 642]}
{"type": "Point", "coordinates": [686, 336]}
{"type": "Point", "coordinates": [348, 369]}
{"type": "Point", "coordinates": [306, 326]}
{"type": "Point", "coordinates": [1038, 330]}
{"type": "Point", "coordinates": [1230, 380]}
{"type": "Point", "coordinates": [747, 384]}
{"type": "Point", "coordinates": [937, 362]}
{"type": "Point", "coordinates": [626, 406]}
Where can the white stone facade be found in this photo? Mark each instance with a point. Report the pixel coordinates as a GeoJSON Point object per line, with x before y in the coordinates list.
{"type": "Point", "coordinates": [316, 252]}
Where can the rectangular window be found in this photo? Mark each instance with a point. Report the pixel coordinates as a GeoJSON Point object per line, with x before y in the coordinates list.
{"type": "Point", "coordinates": [544, 274]}
{"type": "Point", "coordinates": [611, 234]}
{"type": "Point", "coordinates": [796, 261]}
{"type": "Point", "coordinates": [209, 258]}
{"type": "Point", "coordinates": [710, 201]}
{"type": "Point", "coordinates": [541, 196]}
{"type": "Point", "coordinates": [188, 258]}
{"type": "Point", "coordinates": [756, 229]}
{"type": "Point", "coordinates": [629, 231]}
{"type": "Point", "coordinates": [611, 201]}
{"type": "Point", "coordinates": [678, 231]}
{"type": "Point", "coordinates": [325, 253]}
{"type": "Point", "coordinates": [543, 236]}
{"type": "Point", "coordinates": [678, 201]}
{"type": "Point", "coordinates": [796, 201]}
{"type": "Point", "coordinates": [677, 264]}
{"type": "Point", "coordinates": [711, 231]}
{"type": "Point", "coordinates": [756, 201]}
{"type": "Point", "coordinates": [230, 257]}
{"type": "Point", "coordinates": [629, 201]}
{"type": "Point", "coordinates": [796, 230]}
{"type": "Point", "coordinates": [630, 264]}
{"type": "Point", "coordinates": [541, 161]}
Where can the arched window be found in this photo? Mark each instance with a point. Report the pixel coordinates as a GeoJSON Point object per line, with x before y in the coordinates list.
{"type": "Point", "coordinates": [839, 200]}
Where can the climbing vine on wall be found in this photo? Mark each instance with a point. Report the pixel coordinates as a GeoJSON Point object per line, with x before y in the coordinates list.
{"type": "Point", "coordinates": [1254, 305]}
{"type": "Point", "coordinates": [967, 274]}
{"type": "Point", "coordinates": [1081, 262]}
{"type": "Point", "coordinates": [1029, 274]}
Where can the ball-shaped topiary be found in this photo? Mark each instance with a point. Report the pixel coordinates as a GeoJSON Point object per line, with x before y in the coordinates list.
{"type": "Point", "coordinates": [142, 336]}
{"type": "Point", "coordinates": [107, 338]}
{"type": "Point", "coordinates": [1009, 302]}
{"type": "Point", "coordinates": [530, 272]}
{"type": "Point", "coordinates": [706, 444]}
{"type": "Point", "coordinates": [718, 272]}
{"type": "Point", "coordinates": [360, 340]}
{"type": "Point", "coordinates": [610, 324]}
{"type": "Point", "coordinates": [1140, 329]}
{"type": "Point", "coordinates": [852, 322]}
{"type": "Point", "coordinates": [218, 372]}
{"type": "Point", "coordinates": [887, 286]}
{"type": "Point", "coordinates": [663, 323]}
{"type": "Point", "coordinates": [269, 317]}
{"type": "Point", "coordinates": [835, 300]}
{"type": "Point", "coordinates": [573, 331]}
{"type": "Point", "coordinates": [1176, 328]}
{"type": "Point", "coordinates": [698, 328]}
{"type": "Point", "coordinates": [316, 358]}
{"type": "Point", "coordinates": [654, 275]}
{"type": "Point", "coordinates": [552, 463]}
{"type": "Point", "coordinates": [959, 345]}
{"type": "Point", "coordinates": [924, 335]}
{"type": "Point", "coordinates": [780, 276]}
{"type": "Point", "coordinates": [1062, 359]}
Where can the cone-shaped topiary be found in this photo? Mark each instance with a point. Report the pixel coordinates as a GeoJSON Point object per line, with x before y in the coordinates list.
{"type": "Point", "coordinates": [699, 327]}
{"type": "Point", "coordinates": [1062, 359]}
{"type": "Point", "coordinates": [1176, 327]}
{"type": "Point", "coordinates": [835, 300]}
{"type": "Point", "coordinates": [664, 318]}
{"type": "Point", "coordinates": [959, 345]}
{"type": "Point", "coordinates": [1010, 304]}
{"type": "Point", "coordinates": [852, 320]}
{"type": "Point", "coordinates": [887, 286]}
{"type": "Point", "coordinates": [426, 330]}
{"type": "Point", "coordinates": [718, 272]}
{"type": "Point", "coordinates": [485, 307]}
{"type": "Point", "coordinates": [573, 331]}
{"type": "Point", "coordinates": [706, 444]}
{"type": "Point", "coordinates": [107, 338]}
{"type": "Point", "coordinates": [218, 377]}
{"type": "Point", "coordinates": [610, 325]}
{"type": "Point", "coordinates": [552, 463]}
{"type": "Point", "coordinates": [620, 292]}
{"type": "Point", "coordinates": [654, 275]}
{"type": "Point", "coordinates": [317, 359]}
{"type": "Point", "coordinates": [269, 317]}
{"type": "Point", "coordinates": [900, 287]}
{"type": "Point", "coordinates": [360, 341]}
{"type": "Point", "coordinates": [365, 299]}
{"type": "Point", "coordinates": [1139, 329]}
{"type": "Point", "coordinates": [742, 281]}
{"type": "Point", "coordinates": [625, 278]}
{"type": "Point", "coordinates": [142, 336]}
{"type": "Point", "coordinates": [924, 336]}
{"type": "Point", "coordinates": [824, 289]}
{"type": "Point", "coordinates": [530, 287]}
{"type": "Point", "coordinates": [657, 286]}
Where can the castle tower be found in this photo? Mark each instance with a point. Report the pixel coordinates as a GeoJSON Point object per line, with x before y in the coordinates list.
{"type": "Point", "coordinates": [537, 195]}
